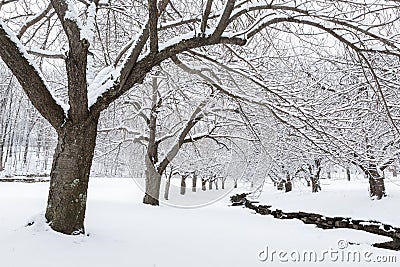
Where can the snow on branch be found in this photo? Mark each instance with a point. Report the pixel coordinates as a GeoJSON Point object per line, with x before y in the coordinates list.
{"type": "Point", "coordinates": [25, 55]}
{"type": "Point", "coordinates": [103, 81]}
{"type": "Point", "coordinates": [71, 13]}
{"type": "Point", "coordinates": [88, 29]}
{"type": "Point", "coordinates": [46, 53]}
{"type": "Point", "coordinates": [351, 29]}
{"type": "Point", "coordinates": [74, 26]}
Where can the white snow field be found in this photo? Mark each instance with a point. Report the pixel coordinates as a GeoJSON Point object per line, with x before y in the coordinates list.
{"type": "Point", "coordinates": [123, 232]}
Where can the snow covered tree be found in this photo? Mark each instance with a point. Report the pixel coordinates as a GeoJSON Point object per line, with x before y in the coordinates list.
{"type": "Point", "coordinates": [159, 31]}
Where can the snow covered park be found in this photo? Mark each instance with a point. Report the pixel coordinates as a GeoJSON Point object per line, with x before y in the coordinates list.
{"type": "Point", "coordinates": [121, 231]}
{"type": "Point", "coordinates": [168, 133]}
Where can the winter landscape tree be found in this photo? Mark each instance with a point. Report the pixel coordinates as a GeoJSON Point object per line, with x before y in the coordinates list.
{"type": "Point", "coordinates": [103, 49]}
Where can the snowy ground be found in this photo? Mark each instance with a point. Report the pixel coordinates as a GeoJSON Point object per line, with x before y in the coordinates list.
{"type": "Point", "coordinates": [124, 232]}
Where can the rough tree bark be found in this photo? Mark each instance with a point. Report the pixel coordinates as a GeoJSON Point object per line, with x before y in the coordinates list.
{"type": "Point", "coordinates": [194, 182]}
{"type": "Point", "coordinates": [288, 183]}
{"type": "Point", "coordinates": [153, 176]}
{"type": "Point", "coordinates": [223, 183]}
{"type": "Point", "coordinates": [167, 186]}
{"type": "Point", "coordinates": [203, 184]}
{"type": "Point", "coordinates": [281, 184]}
{"type": "Point", "coordinates": [376, 182]}
{"type": "Point", "coordinates": [166, 192]}
{"type": "Point", "coordinates": [153, 184]}
{"type": "Point", "coordinates": [183, 184]}
{"type": "Point", "coordinates": [315, 185]}
{"type": "Point", "coordinates": [70, 176]}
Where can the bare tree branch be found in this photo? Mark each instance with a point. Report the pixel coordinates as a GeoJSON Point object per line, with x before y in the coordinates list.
{"type": "Point", "coordinates": [76, 61]}
{"type": "Point", "coordinates": [13, 54]}
{"type": "Point", "coordinates": [34, 20]}
{"type": "Point", "coordinates": [153, 22]}
{"type": "Point", "coordinates": [206, 14]}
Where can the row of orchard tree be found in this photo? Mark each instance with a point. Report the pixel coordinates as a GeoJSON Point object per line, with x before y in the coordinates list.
{"type": "Point", "coordinates": [277, 82]}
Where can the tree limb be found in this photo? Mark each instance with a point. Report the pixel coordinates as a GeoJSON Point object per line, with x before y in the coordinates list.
{"type": "Point", "coordinates": [34, 20]}
{"type": "Point", "coordinates": [16, 58]}
{"type": "Point", "coordinates": [153, 20]}
{"type": "Point", "coordinates": [206, 14]}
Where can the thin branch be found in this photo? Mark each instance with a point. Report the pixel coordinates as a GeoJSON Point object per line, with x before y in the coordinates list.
{"type": "Point", "coordinates": [14, 54]}
{"type": "Point", "coordinates": [46, 53]}
{"type": "Point", "coordinates": [206, 14]}
{"type": "Point", "coordinates": [153, 21]}
{"type": "Point", "coordinates": [29, 23]}
{"type": "Point", "coordinates": [224, 19]}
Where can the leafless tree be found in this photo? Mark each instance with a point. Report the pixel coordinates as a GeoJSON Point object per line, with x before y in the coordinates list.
{"type": "Point", "coordinates": [74, 30]}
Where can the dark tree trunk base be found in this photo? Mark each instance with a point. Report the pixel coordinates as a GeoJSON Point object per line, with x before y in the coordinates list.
{"type": "Point", "coordinates": [377, 188]}
{"type": "Point", "coordinates": [167, 186]}
{"type": "Point", "coordinates": [153, 184]}
{"type": "Point", "coordinates": [183, 185]}
{"type": "Point", "coordinates": [69, 177]}
{"type": "Point", "coordinates": [150, 200]}
{"type": "Point", "coordinates": [194, 183]}
{"type": "Point", "coordinates": [288, 186]}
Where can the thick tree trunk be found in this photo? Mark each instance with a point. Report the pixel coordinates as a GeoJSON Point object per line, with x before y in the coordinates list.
{"type": "Point", "coordinates": [210, 182]}
{"type": "Point", "coordinates": [315, 184]}
{"type": "Point", "coordinates": [153, 184]}
{"type": "Point", "coordinates": [203, 184]}
{"type": "Point", "coordinates": [281, 184]}
{"type": "Point", "coordinates": [377, 187]}
{"type": "Point", "coordinates": [216, 184]}
{"type": "Point", "coordinates": [153, 176]}
{"type": "Point", "coordinates": [376, 184]}
{"type": "Point", "coordinates": [394, 171]}
{"type": "Point", "coordinates": [183, 184]}
{"type": "Point", "coordinates": [70, 176]}
{"type": "Point", "coordinates": [223, 183]}
{"type": "Point", "coordinates": [288, 186]}
{"type": "Point", "coordinates": [167, 186]}
{"type": "Point", "coordinates": [348, 174]}
{"type": "Point", "coordinates": [235, 184]}
{"type": "Point", "coordinates": [194, 182]}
